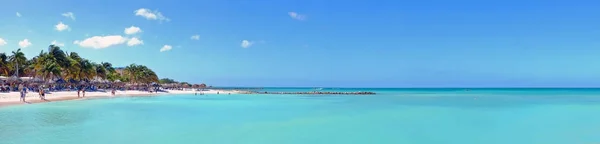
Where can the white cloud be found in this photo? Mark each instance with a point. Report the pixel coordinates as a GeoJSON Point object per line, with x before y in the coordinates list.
{"type": "Point", "coordinates": [246, 43]}
{"type": "Point", "coordinates": [134, 41]}
{"type": "Point", "coordinates": [132, 30]}
{"type": "Point", "coordinates": [195, 37]}
{"type": "Point", "coordinates": [57, 43]}
{"type": "Point", "coordinates": [297, 16]}
{"type": "Point", "coordinates": [24, 43]}
{"type": "Point", "coordinates": [166, 48]}
{"type": "Point", "coordinates": [61, 27]}
{"type": "Point", "coordinates": [151, 15]}
{"type": "Point", "coordinates": [69, 15]}
{"type": "Point", "coordinates": [100, 42]}
{"type": "Point", "coordinates": [2, 42]}
{"type": "Point", "coordinates": [18, 14]}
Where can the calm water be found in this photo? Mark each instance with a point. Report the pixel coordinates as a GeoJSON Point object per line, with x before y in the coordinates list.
{"type": "Point", "coordinates": [394, 116]}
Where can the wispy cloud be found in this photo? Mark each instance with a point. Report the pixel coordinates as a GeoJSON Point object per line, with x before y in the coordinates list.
{"type": "Point", "coordinates": [195, 37]}
{"type": "Point", "coordinates": [132, 30]}
{"type": "Point", "coordinates": [166, 48]}
{"type": "Point", "coordinates": [61, 26]}
{"type": "Point", "coordinates": [24, 43]}
{"type": "Point", "coordinates": [69, 15]}
{"type": "Point", "coordinates": [246, 43]}
{"type": "Point", "coordinates": [57, 43]}
{"type": "Point", "coordinates": [297, 16]}
{"type": "Point", "coordinates": [100, 42]}
{"type": "Point", "coordinates": [18, 14]}
{"type": "Point", "coordinates": [150, 15]}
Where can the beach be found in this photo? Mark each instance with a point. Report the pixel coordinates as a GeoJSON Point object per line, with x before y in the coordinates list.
{"type": "Point", "coordinates": [12, 98]}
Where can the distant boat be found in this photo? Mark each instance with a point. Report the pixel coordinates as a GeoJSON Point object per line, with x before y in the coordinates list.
{"type": "Point", "coordinates": [319, 88]}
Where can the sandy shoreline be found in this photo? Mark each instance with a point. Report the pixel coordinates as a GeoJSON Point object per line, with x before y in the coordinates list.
{"type": "Point", "coordinates": [12, 98]}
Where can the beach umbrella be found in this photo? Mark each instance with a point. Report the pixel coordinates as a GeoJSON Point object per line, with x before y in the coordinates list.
{"type": "Point", "coordinates": [13, 78]}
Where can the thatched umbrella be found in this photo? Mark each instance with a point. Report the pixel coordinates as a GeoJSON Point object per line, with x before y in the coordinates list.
{"type": "Point", "coordinates": [13, 79]}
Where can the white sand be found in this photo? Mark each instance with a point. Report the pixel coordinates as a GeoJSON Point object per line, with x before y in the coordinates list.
{"type": "Point", "coordinates": [12, 98]}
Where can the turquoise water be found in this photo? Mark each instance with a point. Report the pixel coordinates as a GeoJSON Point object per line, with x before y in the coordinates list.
{"type": "Point", "coordinates": [394, 116]}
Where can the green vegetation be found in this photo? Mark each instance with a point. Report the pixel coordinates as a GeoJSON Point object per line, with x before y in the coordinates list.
{"type": "Point", "coordinates": [56, 64]}
{"type": "Point", "coordinates": [166, 81]}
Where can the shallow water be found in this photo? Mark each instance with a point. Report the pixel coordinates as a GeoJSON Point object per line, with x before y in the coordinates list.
{"type": "Point", "coordinates": [394, 116]}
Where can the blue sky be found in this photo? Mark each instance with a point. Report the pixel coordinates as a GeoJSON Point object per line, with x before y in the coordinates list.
{"type": "Point", "coordinates": [360, 43]}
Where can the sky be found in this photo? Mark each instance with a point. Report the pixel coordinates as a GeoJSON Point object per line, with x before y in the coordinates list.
{"type": "Point", "coordinates": [323, 43]}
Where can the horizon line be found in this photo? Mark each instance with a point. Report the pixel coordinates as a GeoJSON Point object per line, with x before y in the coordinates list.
{"type": "Point", "coordinates": [409, 87]}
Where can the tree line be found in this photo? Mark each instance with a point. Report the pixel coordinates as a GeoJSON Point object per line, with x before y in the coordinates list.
{"type": "Point", "coordinates": [57, 64]}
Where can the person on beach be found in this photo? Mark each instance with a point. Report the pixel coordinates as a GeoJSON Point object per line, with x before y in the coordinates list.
{"type": "Point", "coordinates": [83, 91]}
{"type": "Point", "coordinates": [23, 93]}
{"type": "Point", "coordinates": [40, 91]}
{"type": "Point", "coordinates": [113, 91]}
{"type": "Point", "coordinates": [42, 95]}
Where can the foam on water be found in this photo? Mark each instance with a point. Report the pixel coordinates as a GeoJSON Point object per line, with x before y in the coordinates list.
{"type": "Point", "coordinates": [415, 116]}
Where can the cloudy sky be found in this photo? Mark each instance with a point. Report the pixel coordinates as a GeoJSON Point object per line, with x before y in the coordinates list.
{"type": "Point", "coordinates": [381, 43]}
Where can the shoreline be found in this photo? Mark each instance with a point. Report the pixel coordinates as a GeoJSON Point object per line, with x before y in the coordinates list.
{"type": "Point", "coordinates": [13, 98]}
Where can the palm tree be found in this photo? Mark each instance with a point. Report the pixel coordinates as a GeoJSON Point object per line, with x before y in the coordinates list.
{"type": "Point", "coordinates": [140, 74]}
{"type": "Point", "coordinates": [29, 68]}
{"type": "Point", "coordinates": [50, 69]}
{"type": "Point", "coordinates": [18, 58]}
{"type": "Point", "coordinates": [4, 67]}
{"type": "Point", "coordinates": [35, 64]}
{"type": "Point", "coordinates": [111, 73]}
{"type": "Point", "coordinates": [70, 66]}
{"type": "Point", "coordinates": [132, 72]}
{"type": "Point", "coordinates": [108, 67]}
{"type": "Point", "coordinates": [73, 68]}
{"type": "Point", "coordinates": [61, 59]}
{"type": "Point", "coordinates": [58, 55]}
{"type": "Point", "coordinates": [148, 76]}
{"type": "Point", "coordinates": [86, 70]}
{"type": "Point", "coordinates": [45, 65]}
{"type": "Point", "coordinates": [100, 70]}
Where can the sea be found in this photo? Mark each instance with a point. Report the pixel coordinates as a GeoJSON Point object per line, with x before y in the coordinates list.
{"type": "Point", "coordinates": [392, 116]}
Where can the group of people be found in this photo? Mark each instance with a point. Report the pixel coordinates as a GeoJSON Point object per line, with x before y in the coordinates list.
{"type": "Point", "coordinates": [42, 93]}
{"type": "Point", "coordinates": [23, 92]}
{"type": "Point", "coordinates": [80, 90]}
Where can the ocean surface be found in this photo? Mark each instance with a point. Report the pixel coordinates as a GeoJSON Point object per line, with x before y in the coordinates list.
{"type": "Point", "coordinates": [393, 116]}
